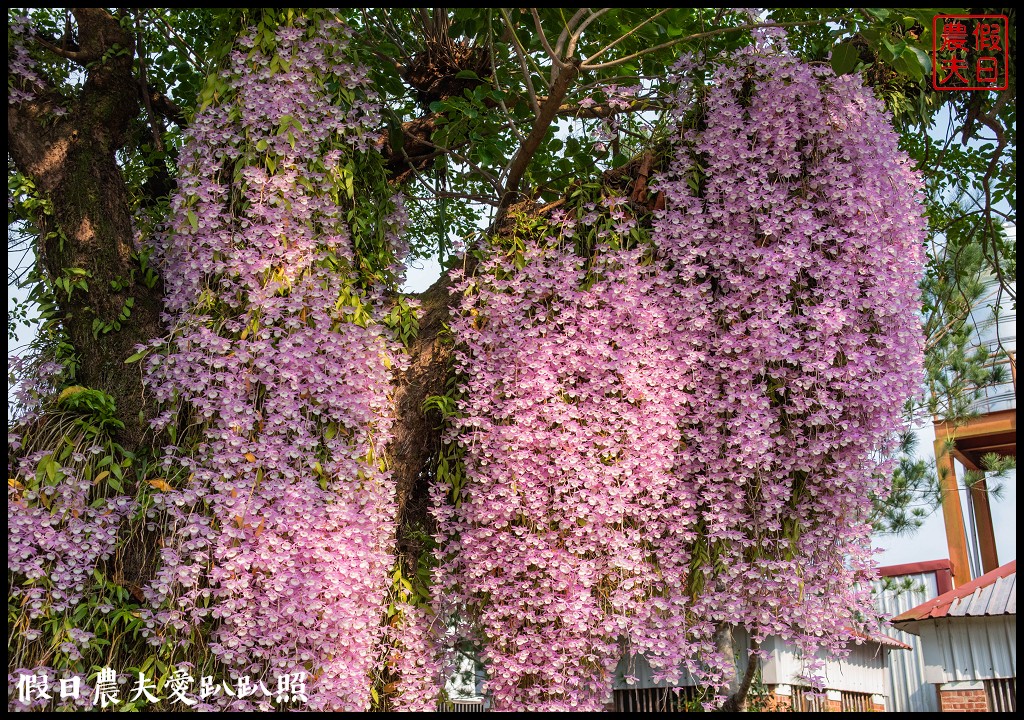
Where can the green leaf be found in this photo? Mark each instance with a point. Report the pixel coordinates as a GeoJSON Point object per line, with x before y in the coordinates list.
{"type": "Point", "coordinates": [908, 66]}
{"type": "Point", "coordinates": [136, 357]}
{"type": "Point", "coordinates": [844, 58]}
{"type": "Point", "coordinates": [923, 60]}
{"type": "Point", "coordinates": [895, 49]}
{"type": "Point", "coordinates": [50, 468]}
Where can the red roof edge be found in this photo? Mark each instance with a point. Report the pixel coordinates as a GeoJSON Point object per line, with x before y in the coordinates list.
{"type": "Point", "coordinates": [939, 607]}
{"type": "Point", "coordinates": [942, 569]}
{"type": "Point", "coordinates": [880, 639]}
{"type": "Point", "coordinates": [891, 642]}
{"type": "Point", "coordinates": [915, 568]}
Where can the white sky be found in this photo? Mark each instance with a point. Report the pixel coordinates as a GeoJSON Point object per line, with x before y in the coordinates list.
{"type": "Point", "coordinates": [420, 275]}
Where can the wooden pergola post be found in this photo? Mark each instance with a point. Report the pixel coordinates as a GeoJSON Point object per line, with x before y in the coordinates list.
{"type": "Point", "coordinates": [952, 513]}
{"type": "Point", "coordinates": [994, 432]}
{"type": "Point", "coordinates": [982, 518]}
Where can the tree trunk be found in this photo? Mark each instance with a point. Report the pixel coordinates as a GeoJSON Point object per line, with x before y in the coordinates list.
{"type": "Point", "coordinates": [737, 685]}
{"type": "Point", "coordinates": [416, 442]}
{"type": "Point", "coordinates": [72, 160]}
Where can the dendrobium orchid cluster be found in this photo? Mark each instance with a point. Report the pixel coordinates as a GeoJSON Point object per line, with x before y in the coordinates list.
{"type": "Point", "coordinates": [664, 440]}
{"type": "Point", "coordinates": [277, 377]}
{"type": "Point", "coordinates": [417, 659]}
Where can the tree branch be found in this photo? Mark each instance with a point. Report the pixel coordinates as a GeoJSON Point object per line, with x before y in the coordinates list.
{"type": "Point", "coordinates": [579, 31]}
{"type": "Point", "coordinates": [192, 54]}
{"type": "Point", "coordinates": [521, 160]}
{"type": "Point", "coordinates": [615, 42]}
{"type": "Point", "coordinates": [740, 698]}
{"type": "Point", "coordinates": [587, 66]}
{"type": "Point", "coordinates": [154, 125]}
{"type": "Point", "coordinates": [736, 688]}
{"type": "Point", "coordinates": [987, 244]}
{"type": "Point", "coordinates": [569, 28]}
{"type": "Point", "coordinates": [509, 122]}
{"type": "Point", "coordinates": [557, 61]}
{"type": "Point", "coordinates": [65, 49]}
{"type": "Point", "coordinates": [521, 54]}
{"type": "Point", "coordinates": [603, 110]}
{"type": "Point", "coordinates": [166, 108]}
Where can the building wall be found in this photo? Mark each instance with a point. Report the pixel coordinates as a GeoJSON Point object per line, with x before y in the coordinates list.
{"type": "Point", "coordinates": [998, 333]}
{"type": "Point", "coordinates": [906, 686]}
{"type": "Point", "coordinates": [863, 671]}
{"type": "Point", "coordinates": [963, 697]}
{"type": "Point", "coordinates": [638, 667]}
{"type": "Point", "coordinates": [782, 698]}
{"type": "Point", "coordinates": [960, 649]}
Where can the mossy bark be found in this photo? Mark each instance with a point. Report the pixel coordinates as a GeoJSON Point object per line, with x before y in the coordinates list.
{"type": "Point", "coordinates": [72, 159]}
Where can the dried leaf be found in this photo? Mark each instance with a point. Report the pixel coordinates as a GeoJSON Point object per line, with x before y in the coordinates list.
{"type": "Point", "coordinates": [68, 392]}
{"type": "Point", "coordinates": [160, 484]}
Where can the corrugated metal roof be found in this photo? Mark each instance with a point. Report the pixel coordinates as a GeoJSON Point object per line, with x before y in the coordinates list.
{"type": "Point", "coordinates": [994, 593]}
{"type": "Point", "coordinates": [890, 642]}
{"type": "Point", "coordinates": [879, 639]}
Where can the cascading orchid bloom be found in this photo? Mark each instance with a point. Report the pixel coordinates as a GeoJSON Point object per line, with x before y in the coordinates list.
{"type": "Point", "coordinates": [692, 442]}
{"type": "Point", "coordinates": [284, 532]}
